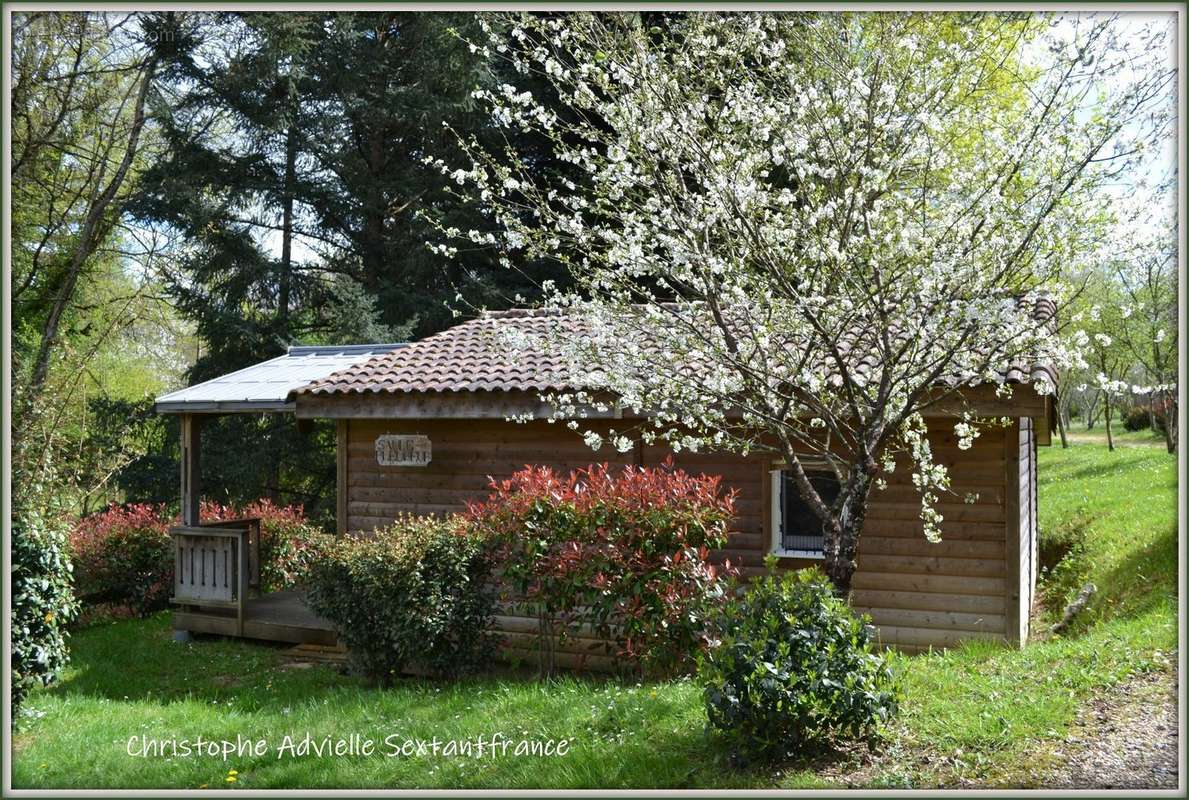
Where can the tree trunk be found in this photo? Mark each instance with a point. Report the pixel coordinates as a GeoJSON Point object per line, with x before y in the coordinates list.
{"type": "Point", "coordinates": [842, 534]}
{"type": "Point", "coordinates": [1170, 422]}
{"type": "Point", "coordinates": [373, 249]}
{"type": "Point", "coordinates": [93, 229]}
{"type": "Point", "coordinates": [1060, 421]}
{"type": "Point", "coordinates": [284, 280]}
{"type": "Point", "coordinates": [1106, 409]}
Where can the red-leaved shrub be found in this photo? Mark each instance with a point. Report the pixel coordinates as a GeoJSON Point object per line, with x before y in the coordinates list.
{"type": "Point", "coordinates": [123, 556]}
{"type": "Point", "coordinates": [625, 553]}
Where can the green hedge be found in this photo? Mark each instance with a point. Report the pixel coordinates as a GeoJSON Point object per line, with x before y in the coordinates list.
{"type": "Point", "coordinates": [413, 595]}
{"type": "Point", "coordinates": [794, 668]}
{"type": "Point", "coordinates": [43, 605]}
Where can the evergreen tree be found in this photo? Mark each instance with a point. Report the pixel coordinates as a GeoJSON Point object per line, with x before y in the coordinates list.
{"type": "Point", "coordinates": [295, 172]}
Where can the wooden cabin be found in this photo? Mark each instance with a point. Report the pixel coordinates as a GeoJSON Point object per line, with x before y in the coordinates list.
{"type": "Point", "coordinates": [424, 427]}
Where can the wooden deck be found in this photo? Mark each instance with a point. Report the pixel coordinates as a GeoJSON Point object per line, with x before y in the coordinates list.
{"type": "Point", "coordinates": [273, 617]}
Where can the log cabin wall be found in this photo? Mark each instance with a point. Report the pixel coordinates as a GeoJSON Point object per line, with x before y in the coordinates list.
{"type": "Point", "coordinates": [918, 594]}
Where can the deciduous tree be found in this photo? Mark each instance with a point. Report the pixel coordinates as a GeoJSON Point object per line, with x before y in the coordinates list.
{"type": "Point", "coordinates": [800, 232]}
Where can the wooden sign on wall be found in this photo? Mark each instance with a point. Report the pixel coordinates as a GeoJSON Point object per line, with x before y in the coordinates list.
{"type": "Point", "coordinates": [393, 450]}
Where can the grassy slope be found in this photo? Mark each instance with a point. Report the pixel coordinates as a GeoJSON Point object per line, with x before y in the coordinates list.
{"type": "Point", "coordinates": [974, 712]}
{"type": "Point", "coordinates": [970, 715]}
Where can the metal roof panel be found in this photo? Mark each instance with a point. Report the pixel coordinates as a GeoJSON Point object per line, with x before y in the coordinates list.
{"type": "Point", "coordinates": [266, 386]}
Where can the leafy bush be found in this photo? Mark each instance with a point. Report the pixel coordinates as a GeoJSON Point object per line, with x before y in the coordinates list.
{"type": "Point", "coordinates": [414, 594]}
{"type": "Point", "coordinates": [626, 554]}
{"type": "Point", "coordinates": [42, 605]}
{"type": "Point", "coordinates": [124, 556]}
{"type": "Point", "coordinates": [793, 668]}
{"type": "Point", "coordinates": [288, 542]}
{"type": "Point", "coordinates": [1137, 419]}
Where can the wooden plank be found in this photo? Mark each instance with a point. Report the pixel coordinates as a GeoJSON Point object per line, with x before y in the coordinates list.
{"type": "Point", "coordinates": [571, 644]}
{"type": "Point", "coordinates": [1035, 530]}
{"type": "Point", "coordinates": [961, 472]}
{"type": "Point", "coordinates": [1043, 432]}
{"type": "Point", "coordinates": [342, 474]}
{"type": "Point", "coordinates": [932, 565]}
{"type": "Point", "coordinates": [191, 467]}
{"type": "Point", "coordinates": [908, 582]}
{"type": "Point", "coordinates": [983, 401]}
{"type": "Point", "coordinates": [1011, 446]}
{"type": "Point", "coordinates": [985, 495]}
{"type": "Point", "coordinates": [928, 601]}
{"type": "Point", "coordinates": [950, 531]}
{"type": "Point", "coordinates": [509, 622]}
{"type": "Point", "coordinates": [252, 629]}
{"type": "Point", "coordinates": [576, 662]}
{"type": "Point", "coordinates": [953, 512]}
{"type": "Point", "coordinates": [446, 502]}
{"type": "Point", "coordinates": [926, 637]}
{"type": "Point", "coordinates": [941, 620]}
{"type": "Point", "coordinates": [739, 557]}
{"type": "Point", "coordinates": [905, 546]}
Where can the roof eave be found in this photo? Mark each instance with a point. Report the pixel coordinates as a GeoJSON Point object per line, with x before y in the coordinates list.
{"type": "Point", "coordinates": [223, 406]}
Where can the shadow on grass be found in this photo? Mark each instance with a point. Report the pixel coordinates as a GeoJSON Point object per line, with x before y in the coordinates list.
{"type": "Point", "coordinates": [1099, 469]}
{"type": "Point", "coordinates": [1133, 587]}
{"type": "Point", "coordinates": [137, 659]}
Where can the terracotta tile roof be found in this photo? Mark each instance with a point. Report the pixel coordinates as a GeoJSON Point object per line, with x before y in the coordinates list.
{"type": "Point", "coordinates": [474, 356]}
{"type": "Point", "coordinates": [469, 357]}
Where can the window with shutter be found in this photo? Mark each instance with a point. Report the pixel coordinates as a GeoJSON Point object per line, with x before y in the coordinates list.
{"type": "Point", "coordinates": [796, 530]}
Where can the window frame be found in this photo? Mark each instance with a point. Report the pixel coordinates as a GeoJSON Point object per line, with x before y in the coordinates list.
{"type": "Point", "coordinates": [776, 511]}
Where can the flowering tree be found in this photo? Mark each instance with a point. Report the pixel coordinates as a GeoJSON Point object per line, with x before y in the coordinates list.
{"type": "Point", "coordinates": [1125, 317]}
{"type": "Point", "coordinates": [1146, 267]}
{"type": "Point", "coordinates": [1108, 361]}
{"type": "Point", "coordinates": [800, 232]}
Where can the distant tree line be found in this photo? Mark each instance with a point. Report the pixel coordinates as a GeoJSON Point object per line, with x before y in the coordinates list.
{"type": "Point", "coordinates": [268, 172]}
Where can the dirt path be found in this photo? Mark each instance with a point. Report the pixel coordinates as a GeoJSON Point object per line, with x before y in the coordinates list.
{"type": "Point", "coordinates": [1126, 739]}
{"type": "Point", "coordinates": [1120, 441]}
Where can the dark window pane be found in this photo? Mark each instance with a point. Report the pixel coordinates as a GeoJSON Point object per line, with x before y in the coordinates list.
{"type": "Point", "coordinates": [801, 529]}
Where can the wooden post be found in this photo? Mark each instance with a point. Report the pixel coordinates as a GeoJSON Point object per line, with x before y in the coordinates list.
{"type": "Point", "coordinates": [341, 475]}
{"type": "Point", "coordinates": [191, 468]}
{"type": "Point", "coordinates": [241, 590]}
{"type": "Point", "coordinates": [1014, 625]}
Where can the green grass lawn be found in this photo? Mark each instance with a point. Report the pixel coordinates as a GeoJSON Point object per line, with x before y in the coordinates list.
{"type": "Point", "coordinates": [980, 713]}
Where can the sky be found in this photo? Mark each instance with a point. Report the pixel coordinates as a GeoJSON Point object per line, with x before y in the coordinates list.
{"type": "Point", "coordinates": [1160, 162]}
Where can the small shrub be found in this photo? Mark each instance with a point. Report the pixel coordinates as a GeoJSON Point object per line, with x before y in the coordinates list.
{"type": "Point", "coordinates": [1057, 541]}
{"type": "Point", "coordinates": [414, 594]}
{"type": "Point", "coordinates": [124, 556]}
{"type": "Point", "coordinates": [43, 604]}
{"type": "Point", "coordinates": [1137, 419]}
{"type": "Point", "coordinates": [793, 668]}
{"type": "Point", "coordinates": [626, 554]}
{"type": "Point", "coordinates": [1064, 564]}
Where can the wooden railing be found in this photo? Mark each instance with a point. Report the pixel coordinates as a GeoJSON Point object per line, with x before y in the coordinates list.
{"type": "Point", "coordinates": [217, 564]}
{"type": "Point", "coordinates": [252, 526]}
